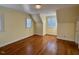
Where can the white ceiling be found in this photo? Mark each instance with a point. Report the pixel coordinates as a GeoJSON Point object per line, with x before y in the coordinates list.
{"type": "Point", "coordinates": [30, 8]}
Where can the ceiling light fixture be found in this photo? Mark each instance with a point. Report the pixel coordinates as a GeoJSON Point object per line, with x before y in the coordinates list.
{"type": "Point", "coordinates": [38, 6]}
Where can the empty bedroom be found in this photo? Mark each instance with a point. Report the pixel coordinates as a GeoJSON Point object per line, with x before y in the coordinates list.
{"type": "Point", "coordinates": [39, 29]}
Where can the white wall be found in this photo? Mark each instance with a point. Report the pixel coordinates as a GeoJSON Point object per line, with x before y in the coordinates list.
{"type": "Point", "coordinates": [43, 18]}
{"type": "Point", "coordinates": [14, 26]}
{"type": "Point", "coordinates": [66, 23]}
{"type": "Point", "coordinates": [66, 31]}
{"type": "Point", "coordinates": [38, 25]}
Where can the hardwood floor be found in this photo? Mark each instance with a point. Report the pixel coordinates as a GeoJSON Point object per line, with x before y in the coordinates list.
{"type": "Point", "coordinates": [40, 45]}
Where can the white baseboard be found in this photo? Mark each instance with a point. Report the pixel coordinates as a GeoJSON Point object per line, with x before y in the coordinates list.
{"type": "Point", "coordinates": [14, 41]}
{"type": "Point", "coordinates": [38, 34]}
{"type": "Point", "coordinates": [64, 38]}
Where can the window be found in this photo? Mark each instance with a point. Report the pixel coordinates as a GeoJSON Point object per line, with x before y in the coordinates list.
{"type": "Point", "coordinates": [1, 23]}
{"type": "Point", "coordinates": [28, 23]}
{"type": "Point", "coordinates": [52, 22]}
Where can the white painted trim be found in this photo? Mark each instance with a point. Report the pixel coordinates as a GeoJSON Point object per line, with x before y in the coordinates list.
{"type": "Point", "coordinates": [14, 41]}
{"type": "Point", "coordinates": [38, 34]}
{"type": "Point", "coordinates": [64, 38]}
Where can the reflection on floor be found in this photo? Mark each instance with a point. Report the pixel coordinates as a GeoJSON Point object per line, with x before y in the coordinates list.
{"type": "Point", "coordinates": [40, 45]}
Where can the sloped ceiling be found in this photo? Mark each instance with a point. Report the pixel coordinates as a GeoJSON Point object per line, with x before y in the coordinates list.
{"type": "Point", "coordinates": [13, 6]}
{"type": "Point", "coordinates": [37, 18]}
{"type": "Point", "coordinates": [30, 8]}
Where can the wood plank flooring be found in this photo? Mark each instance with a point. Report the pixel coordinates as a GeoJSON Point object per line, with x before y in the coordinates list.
{"type": "Point", "coordinates": [40, 45]}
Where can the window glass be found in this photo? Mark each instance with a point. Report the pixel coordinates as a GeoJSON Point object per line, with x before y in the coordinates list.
{"type": "Point", "coordinates": [52, 22]}
{"type": "Point", "coordinates": [28, 23]}
{"type": "Point", "coordinates": [1, 23]}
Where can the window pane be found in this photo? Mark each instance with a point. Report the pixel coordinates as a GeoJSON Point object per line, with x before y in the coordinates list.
{"type": "Point", "coordinates": [52, 21]}
{"type": "Point", "coordinates": [28, 23]}
{"type": "Point", "coordinates": [1, 23]}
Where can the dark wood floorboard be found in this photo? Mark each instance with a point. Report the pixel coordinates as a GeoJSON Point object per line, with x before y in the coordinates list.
{"type": "Point", "coordinates": [40, 45]}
